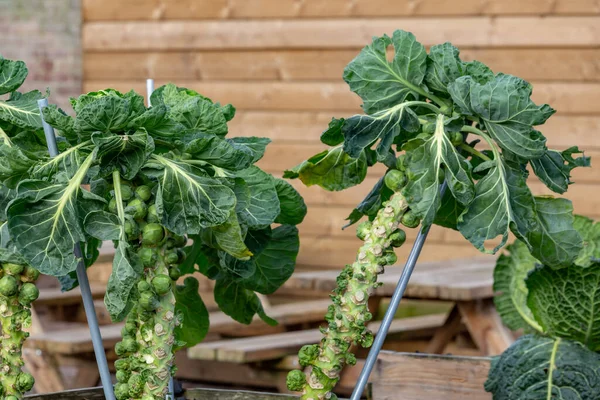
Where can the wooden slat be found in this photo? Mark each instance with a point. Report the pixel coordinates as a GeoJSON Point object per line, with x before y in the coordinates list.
{"type": "Point", "coordinates": [74, 340]}
{"type": "Point", "coordinates": [288, 65]}
{"type": "Point", "coordinates": [270, 347]}
{"type": "Point", "coordinates": [339, 33]}
{"type": "Point", "coordinates": [111, 10]}
{"type": "Point", "coordinates": [568, 98]}
{"type": "Point", "coordinates": [429, 377]}
{"type": "Point", "coordinates": [54, 296]}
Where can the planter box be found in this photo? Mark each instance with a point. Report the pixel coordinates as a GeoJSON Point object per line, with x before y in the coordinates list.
{"type": "Point", "coordinates": [190, 394]}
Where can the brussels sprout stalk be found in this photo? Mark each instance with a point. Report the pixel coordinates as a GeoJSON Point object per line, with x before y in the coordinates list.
{"type": "Point", "coordinates": [17, 292]}
{"type": "Point", "coordinates": [349, 314]}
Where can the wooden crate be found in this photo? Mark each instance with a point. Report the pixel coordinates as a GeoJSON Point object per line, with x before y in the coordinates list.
{"type": "Point", "coordinates": [190, 394]}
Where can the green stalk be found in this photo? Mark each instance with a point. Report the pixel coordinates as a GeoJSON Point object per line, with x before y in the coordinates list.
{"type": "Point", "coordinates": [348, 315]}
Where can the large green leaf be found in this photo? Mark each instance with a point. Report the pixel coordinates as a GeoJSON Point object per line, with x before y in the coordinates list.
{"type": "Point", "coordinates": [126, 272]}
{"type": "Point", "coordinates": [370, 205]}
{"type": "Point", "coordinates": [15, 164]}
{"type": "Point", "coordinates": [425, 161]}
{"type": "Point", "coordinates": [554, 167]}
{"type": "Point", "coordinates": [44, 221]}
{"type": "Point", "coordinates": [124, 153]}
{"type": "Point", "coordinates": [292, 206]}
{"type": "Point", "coordinates": [509, 282]}
{"type": "Point", "coordinates": [331, 169]}
{"type": "Point", "coordinates": [256, 145]}
{"type": "Point", "coordinates": [189, 202]}
{"type": "Point", "coordinates": [102, 225]}
{"type": "Point", "coordinates": [189, 306]}
{"type": "Point", "coordinates": [239, 303]}
{"type": "Point", "coordinates": [219, 152]}
{"type": "Point", "coordinates": [590, 233]}
{"type": "Point", "coordinates": [263, 205]}
{"type": "Point", "coordinates": [540, 368]}
{"type": "Point", "coordinates": [230, 238]}
{"type": "Point", "coordinates": [12, 75]}
{"type": "Point", "coordinates": [103, 114]}
{"type": "Point", "coordinates": [22, 110]}
{"type": "Point", "coordinates": [64, 123]}
{"type": "Point", "coordinates": [566, 302]}
{"type": "Point", "coordinates": [157, 123]}
{"type": "Point", "coordinates": [506, 110]}
{"type": "Point", "coordinates": [382, 84]}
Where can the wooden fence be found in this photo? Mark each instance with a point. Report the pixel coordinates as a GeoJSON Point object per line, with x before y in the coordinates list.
{"type": "Point", "coordinates": [280, 63]}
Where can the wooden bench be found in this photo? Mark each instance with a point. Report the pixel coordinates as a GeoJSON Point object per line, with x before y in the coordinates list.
{"type": "Point", "coordinates": [269, 347]}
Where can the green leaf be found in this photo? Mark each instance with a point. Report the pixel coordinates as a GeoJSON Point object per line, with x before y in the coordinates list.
{"type": "Point", "coordinates": [274, 261]}
{"type": "Point", "coordinates": [190, 306]}
{"type": "Point", "coordinates": [12, 75]}
{"type": "Point", "coordinates": [425, 159]}
{"type": "Point", "coordinates": [188, 202]}
{"type": "Point", "coordinates": [536, 367]}
{"type": "Point", "coordinates": [126, 272]}
{"type": "Point", "coordinates": [22, 110]}
{"type": "Point", "coordinates": [219, 152]}
{"type": "Point", "coordinates": [590, 233]}
{"type": "Point", "coordinates": [443, 67]}
{"type": "Point", "coordinates": [333, 135]}
{"type": "Point", "coordinates": [125, 153]}
{"type": "Point", "coordinates": [239, 303]}
{"type": "Point", "coordinates": [382, 84]}
{"type": "Point", "coordinates": [383, 127]}
{"type": "Point", "coordinates": [371, 204]}
{"type": "Point", "coordinates": [506, 110]}
{"type": "Point", "coordinates": [102, 225]}
{"type": "Point", "coordinates": [566, 302]}
{"type": "Point", "coordinates": [194, 256]}
{"type": "Point", "coordinates": [449, 211]}
{"type": "Point", "coordinates": [554, 167]}
{"type": "Point", "coordinates": [331, 169]}
{"type": "Point", "coordinates": [67, 162]}
{"type": "Point", "coordinates": [102, 114]}
{"type": "Point", "coordinates": [510, 273]}
{"type": "Point", "coordinates": [157, 123]}
{"type": "Point", "coordinates": [256, 145]}
{"type": "Point", "coordinates": [61, 121]}
{"type": "Point", "coordinates": [292, 206]}
{"type": "Point", "coordinates": [263, 207]}
{"type": "Point", "coordinates": [230, 239]}
{"type": "Point", "coordinates": [15, 164]}
{"type": "Point", "coordinates": [44, 221]}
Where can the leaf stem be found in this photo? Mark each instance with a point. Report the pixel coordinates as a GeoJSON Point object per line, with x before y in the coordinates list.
{"type": "Point", "coordinates": [474, 151]}
{"type": "Point", "coordinates": [119, 199]}
{"type": "Point", "coordinates": [485, 136]}
{"type": "Point", "coordinates": [4, 135]}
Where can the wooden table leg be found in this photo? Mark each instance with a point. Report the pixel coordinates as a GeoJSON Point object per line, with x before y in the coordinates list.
{"type": "Point", "coordinates": [445, 333]}
{"type": "Point", "coordinates": [485, 326]}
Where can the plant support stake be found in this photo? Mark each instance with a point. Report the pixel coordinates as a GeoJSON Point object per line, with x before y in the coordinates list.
{"type": "Point", "coordinates": [409, 267]}
{"type": "Point", "coordinates": [84, 284]}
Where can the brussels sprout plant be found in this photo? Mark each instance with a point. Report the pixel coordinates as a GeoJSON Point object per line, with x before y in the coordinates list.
{"type": "Point", "coordinates": [424, 117]}
{"type": "Point", "coordinates": [176, 197]}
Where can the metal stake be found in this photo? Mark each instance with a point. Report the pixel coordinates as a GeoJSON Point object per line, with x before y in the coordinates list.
{"type": "Point", "coordinates": [84, 284]}
{"type": "Point", "coordinates": [363, 378]}
{"type": "Point", "coordinates": [149, 89]}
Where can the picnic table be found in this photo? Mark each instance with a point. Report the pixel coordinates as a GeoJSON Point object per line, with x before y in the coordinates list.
{"type": "Point", "coordinates": [467, 283]}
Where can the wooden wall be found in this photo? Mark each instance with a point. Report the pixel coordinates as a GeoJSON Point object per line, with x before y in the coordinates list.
{"type": "Point", "coordinates": [280, 63]}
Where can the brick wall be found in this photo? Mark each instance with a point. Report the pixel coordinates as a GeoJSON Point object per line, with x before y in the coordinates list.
{"type": "Point", "coordinates": [46, 35]}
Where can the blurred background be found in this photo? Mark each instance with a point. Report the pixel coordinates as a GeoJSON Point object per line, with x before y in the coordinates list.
{"type": "Point", "coordinates": [280, 63]}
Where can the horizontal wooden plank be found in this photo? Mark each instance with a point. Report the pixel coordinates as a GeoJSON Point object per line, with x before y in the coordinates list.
{"type": "Point", "coordinates": [550, 64]}
{"type": "Point", "coordinates": [339, 33]}
{"type": "Point", "coordinates": [111, 10]}
{"type": "Point", "coordinates": [568, 98]}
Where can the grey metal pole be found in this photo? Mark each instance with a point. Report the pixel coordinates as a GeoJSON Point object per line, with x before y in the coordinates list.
{"type": "Point", "coordinates": [149, 89]}
{"type": "Point", "coordinates": [409, 267]}
{"type": "Point", "coordinates": [84, 284]}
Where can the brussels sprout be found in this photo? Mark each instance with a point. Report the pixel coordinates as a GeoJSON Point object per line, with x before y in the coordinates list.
{"type": "Point", "coordinates": [296, 380]}
{"type": "Point", "coordinates": [398, 238]}
{"type": "Point", "coordinates": [126, 192]}
{"type": "Point", "coordinates": [11, 397]}
{"type": "Point", "coordinates": [174, 273]}
{"type": "Point", "coordinates": [152, 234]}
{"type": "Point", "coordinates": [172, 258]}
{"type": "Point", "coordinates": [131, 230]}
{"type": "Point", "coordinates": [122, 375]}
{"type": "Point", "coordinates": [112, 205]}
{"type": "Point", "coordinates": [152, 214]}
{"type": "Point", "coordinates": [390, 258]}
{"type": "Point", "coordinates": [363, 229]}
{"type": "Point", "coordinates": [143, 286]}
{"type": "Point", "coordinates": [24, 382]}
{"type": "Point", "coordinates": [30, 274]}
{"type": "Point", "coordinates": [180, 241]}
{"type": "Point", "coordinates": [136, 385]}
{"type": "Point", "coordinates": [129, 344]}
{"type": "Point", "coordinates": [395, 180]}
{"type": "Point", "coordinates": [161, 284]}
{"type": "Point", "coordinates": [13, 269]}
{"type": "Point", "coordinates": [137, 208]}
{"type": "Point", "coordinates": [456, 138]}
{"type": "Point", "coordinates": [182, 255]}
{"type": "Point", "coordinates": [148, 256]}
{"type": "Point", "coordinates": [143, 192]}
{"type": "Point", "coordinates": [120, 349]}
{"type": "Point", "coordinates": [123, 364]}
{"type": "Point", "coordinates": [122, 391]}
{"type": "Point", "coordinates": [8, 286]}
{"type": "Point", "coordinates": [308, 353]}
{"type": "Point", "coordinates": [130, 327]}
{"type": "Point", "coordinates": [148, 301]}
{"type": "Point", "coordinates": [401, 162]}
{"type": "Point", "coordinates": [410, 220]}
{"type": "Point", "coordinates": [28, 294]}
